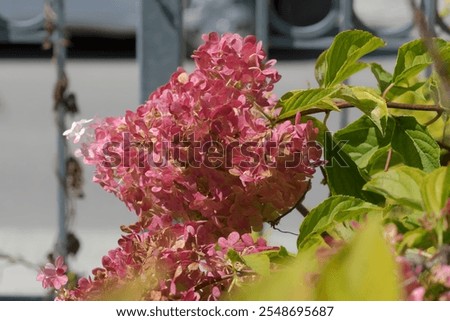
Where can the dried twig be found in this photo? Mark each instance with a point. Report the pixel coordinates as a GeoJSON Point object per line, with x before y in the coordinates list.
{"type": "Point", "coordinates": [18, 260]}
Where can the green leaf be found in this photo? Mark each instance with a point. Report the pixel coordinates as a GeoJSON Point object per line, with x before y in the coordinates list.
{"type": "Point", "coordinates": [415, 144]}
{"type": "Point", "coordinates": [321, 67]}
{"type": "Point", "coordinates": [412, 58]}
{"type": "Point", "coordinates": [368, 101]}
{"type": "Point", "coordinates": [340, 61]}
{"type": "Point", "coordinates": [331, 212]}
{"type": "Point", "coordinates": [383, 77]}
{"type": "Point", "coordinates": [435, 190]}
{"type": "Point", "coordinates": [401, 184]}
{"type": "Point", "coordinates": [363, 139]}
{"type": "Point", "coordinates": [258, 262]}
{"type": "Point", "coordinates": [364, 270]}
{"type": "Point", "coordinates": [377, 162]}
{"type": "Point", "coordinates": [343, 176]}
{"type": "Point", "coordinates": [301, 100]}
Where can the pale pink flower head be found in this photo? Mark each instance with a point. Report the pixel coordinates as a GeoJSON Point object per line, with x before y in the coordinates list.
{"type": "Point", "coordinates": [53, 276]}
{"type": "Point", "coordinates": [77, 130]}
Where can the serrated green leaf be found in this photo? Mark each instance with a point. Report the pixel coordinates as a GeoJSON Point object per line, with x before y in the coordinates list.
{"type": "Point", "coordinates": [301, 100]}
{"type": "Point", "coordinates": [412, 58]}
{"type": "Point", "coordinates": [364, 270]}
{"type": "Point", "coordinates": [364, 139]}
{"type": "Point", "coordinates": [434, 190]}
{"type": "Point", "coordinates": [340, 61]}
{"type": "Point", "coordinates": [368, 101]}
{"type": "Point", "coordinates": [401, 184]}
{"type": "Point", "coordinates": [383, 77]}
{"type": "Point", "coordinates": [415, 144]}
{"type": "Point", "coordinates": [258, 262]}
{"type": "Point", "coordinates": [331, 212]}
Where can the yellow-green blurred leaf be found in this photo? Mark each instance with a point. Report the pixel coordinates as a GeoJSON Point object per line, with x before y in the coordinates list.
{"type": "Point", "coordinates": [435, 191]}
{"type": "Point", "coordinates": [258, 262]}
{"type": "Point", "coordinates": [364, 270]}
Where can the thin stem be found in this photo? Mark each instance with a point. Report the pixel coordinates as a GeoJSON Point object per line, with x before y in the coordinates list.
{"type": "Point", "coordinates": [325, 119]}
{"type": "Point", "coordinates": [431, 121]}
{"type": "Point", "coordinates": [299, 206]}
{"type": "Point", "coordinates": [261, 110]}
{"type": "Point", "coordinates": [420, 107]}
{"type": "Point", "coordinates": [18, 260]}
{"type": "Point", "coordinates": [390, 104]}
{"type": "Point", "coordinates": [302, 209]}
{"type": "Point", "coordinates": [220, 279]}
{"type": "Point", "coordinates": [388, 160]}
{"type": "Point", "coordinates": [213, 281]}
{"type": "Point", "coordinates": [385, 92]}
{"type": "Point", "coordinates": [283, 231]}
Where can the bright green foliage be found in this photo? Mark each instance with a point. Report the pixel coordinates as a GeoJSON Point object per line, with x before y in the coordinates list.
{"type": "Point", "coordinates": [383, 77]}
{"type": "Point", "coordinates": [369, 102]}
{"type": "Point", "coordinates": [301, 100]}
{"type": "Point", "coordinates": [415, 144]}
{"type": "Point", "coordinates": [379, 159]}
{"type": "Point", "coordinates": [363, 139]}
{"type": "Point", "coordinates": [401, 184]}
{"type": "Point", "coordinates": [384, 174]}
{"type": "Point", "coordinates": [331, 212]}
{"type": "Point", "coordinates": [341, 60]}
{"type": "Point", "coordinates": [413, 57]}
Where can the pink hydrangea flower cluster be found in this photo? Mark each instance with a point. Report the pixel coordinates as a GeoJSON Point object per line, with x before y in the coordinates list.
{"type": "Point", "coordinates": [207, 145]}
{"type": "Point", "coordinates": [175, 262]}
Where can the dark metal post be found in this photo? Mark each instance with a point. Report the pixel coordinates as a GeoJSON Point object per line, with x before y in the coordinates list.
{"type": "Point", "coordinates": [159, 43]}
{"type": "Point", "coordinates": [262, 22]}
{"type": "Point", "coordinates": [430, 11]}
{"type": "Point", "coordinates": [345, 23]}
{"type": "Point", "coordinates": [60, 55]}
{"type": "Point", "coordinates": [345, 19]}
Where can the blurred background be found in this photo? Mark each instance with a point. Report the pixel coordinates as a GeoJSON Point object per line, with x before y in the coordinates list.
{"type": "Point", "coordinates": [107, 78]}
